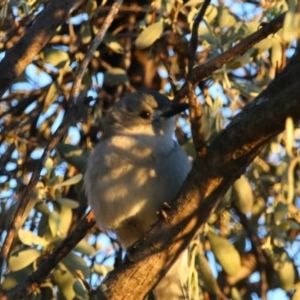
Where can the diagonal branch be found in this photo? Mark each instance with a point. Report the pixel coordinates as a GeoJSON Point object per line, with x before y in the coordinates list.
{"type": "Point", "coordinates": [34, 40]}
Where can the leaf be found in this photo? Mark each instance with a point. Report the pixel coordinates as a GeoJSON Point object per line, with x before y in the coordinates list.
{"type": "Point", "coordinates": [207, 277]}
{"type": "Point", "coordinates": [226, 17]}
{"type": "Point", "coordinates": [148, 36]}
{"type": "Point", "coordinates": [22, 258]}
{"type": "Point", "coordinates": [280, 212]}
{"type": "Point", "coordinates": [65, 216]}
{"type": "Point", "coordinates": [67, 202]}
{"type": "Point", "coordinates": [12, 210]}
{"type": "Point", "coordinates": [235, 295]}
{"type": "Point", "coordinates": [73, 180]}
{"type": "Point", "coordinates": [53, 92]}
{"type": "Point", "coordinates": [85, 33]}
{"type": "Point", "coordinates": [115, 76]}
{"type": "Point", "coordinates": [65, 281]}
{"type": "Point", "coordinates": [74, 263]}
{"type": "Point", "coordinates": [285, 269]}
{"type": "Point", "coordinates": [113, 43]}
{"type": "Point", "coordinates": [13, 278]}
{"type": "Point", "coordinates": [28, 238]}
{"type": "Point", "coordinates": [56, 57]}
{"type": "Point", "coordinates": [244, 194]}
{"type": "Point", "coordinates": [85, 248]}
{"type": "Point", "coordinates": [101, 269]}
{"type": "Point", "coordinates": [80, 290]}
{"type": "Point", "coordinates": [227, 255]}
{"type": "Point", "coordinates": [54, 222]}
{"type": "Point", "coordinates": [74, 155]}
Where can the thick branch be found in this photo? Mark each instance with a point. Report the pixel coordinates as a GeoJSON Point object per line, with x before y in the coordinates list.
{"type": "Point", "coordinates": [21, 55]}
{"type": "Point", "coordinates": [227, 158]}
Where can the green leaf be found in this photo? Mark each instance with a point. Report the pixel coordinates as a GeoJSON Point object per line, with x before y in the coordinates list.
{"type": "Point", "coordinates": [74, 155]}
{"type": "Point", "coordinates": [74, 263]}
{"type": "Point", "coordinates": [115, 76]}
{"type": "Point", "coordinates": [73, 180]}
{"type": "Point", "coordinates": [67, 202]}
{"type": "Point", "coordinates": [80, 290]}
{"type": "Point", "coordinates": [53, 92]}
{"type": "Point", "coordinates": [28, 238]}
{"type": "Point", "coordinates": [56, 57]}
{"type": "Point", "coordinates": [22, 258]}
{"type": "Point", "coordinates": [227, 255]}
{"type": "Point", "coordinates": [207, 277]}
{"type": "Point", "coordinates": [244, 194]}
{"type": "Point", "coordinates": [85, 248]}
{"type": "Point", "coordinates": [65, 281]}
{"type": "Point", "coordinates": [147, 37]}
{"type": "Point", "coordinates": [65, 216]}
{"type": "Point", "coordinates": [54, 222]}
{"type": "Point", "coordinates": [85, 33]}
{"type": "Point", "coordinates": [280, 212]}
{"type": "Point", "coordinates": [113, 43]}
{"type": "Point", "coordinates": [226, 18]}
{"type": "Point", "coordinates": [101, 269]}
{"type": "Point", "coordinates": [13, 278]}
{"type": "Point", "coordinates": [285, 269]}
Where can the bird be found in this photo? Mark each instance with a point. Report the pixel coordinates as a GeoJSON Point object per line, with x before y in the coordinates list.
{"type": "Point", "coordinates": [136, 167]}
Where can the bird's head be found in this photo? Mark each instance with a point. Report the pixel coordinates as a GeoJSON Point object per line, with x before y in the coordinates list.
{"type": "Point", "coordinates": [143, 113]}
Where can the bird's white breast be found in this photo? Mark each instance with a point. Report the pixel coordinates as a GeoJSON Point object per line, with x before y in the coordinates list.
{"type": "Point", "coordinates": [129, 178]}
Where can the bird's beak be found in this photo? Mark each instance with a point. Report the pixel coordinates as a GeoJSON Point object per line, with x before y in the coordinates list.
{"type": "Point", "coordinates": [174, 109]}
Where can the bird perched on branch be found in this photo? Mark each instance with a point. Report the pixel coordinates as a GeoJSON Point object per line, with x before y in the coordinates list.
{"type": "Point", "coordinates": [134, 170]}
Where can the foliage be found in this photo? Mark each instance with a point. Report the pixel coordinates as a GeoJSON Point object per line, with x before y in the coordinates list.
{"type": "Point", "coordinates": [147, 46]}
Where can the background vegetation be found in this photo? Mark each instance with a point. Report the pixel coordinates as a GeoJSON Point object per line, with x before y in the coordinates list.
{"type": "Point", "coordinates": [249, 247]}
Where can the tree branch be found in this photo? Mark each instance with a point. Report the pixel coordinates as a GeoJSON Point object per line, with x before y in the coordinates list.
{"type": "Point", "coordinates": [21, 55]}
{"type": "Point", "coordinates": [195, 108]}
{"type": "Point", "coordinates": [203, 71]}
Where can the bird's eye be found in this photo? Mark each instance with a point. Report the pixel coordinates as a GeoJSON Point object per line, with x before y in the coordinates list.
{"type": "Point", "coordinates": [145, 114]}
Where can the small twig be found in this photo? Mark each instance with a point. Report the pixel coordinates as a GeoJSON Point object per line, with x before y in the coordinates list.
{"type": "Point", "coordinates": [39, 276]}
{"type": "Point", "coordinates": [69, 119]}
{"type": "Point", "coordinates": [260, 257]}
{"type": "Point", "coordinates": [195, 107]}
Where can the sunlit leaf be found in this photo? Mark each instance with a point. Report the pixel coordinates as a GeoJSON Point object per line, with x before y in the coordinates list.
{"type": "Point", "coordinates": [58, 58]}
{"type": "Point", "coordinates": [244, 194]}
{"type": "Point", "coordinates": [65, 217]}
{"type": "Point", "coordinates": [227, 255]}
{"type": "Point", "coordinates": [73, 180]}
{"type": "Point", "coordinates": [85, 248]}
{"type": "Point", "coordinates": [28, 238]}
{"type": "Point", "coordinates": [115, 76]}
{"type": "Point", "coordinates": [148, 36]}
{"type": "Point", "coordinates": [74, 263]}
{"type": "Point", "coordinates": [67, 202]}
{"type": "Point", "coordinates": [22, 258]}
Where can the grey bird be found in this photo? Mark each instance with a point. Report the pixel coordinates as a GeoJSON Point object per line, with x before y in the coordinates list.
{"type": "Point", "coordinates": [134, 169]}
